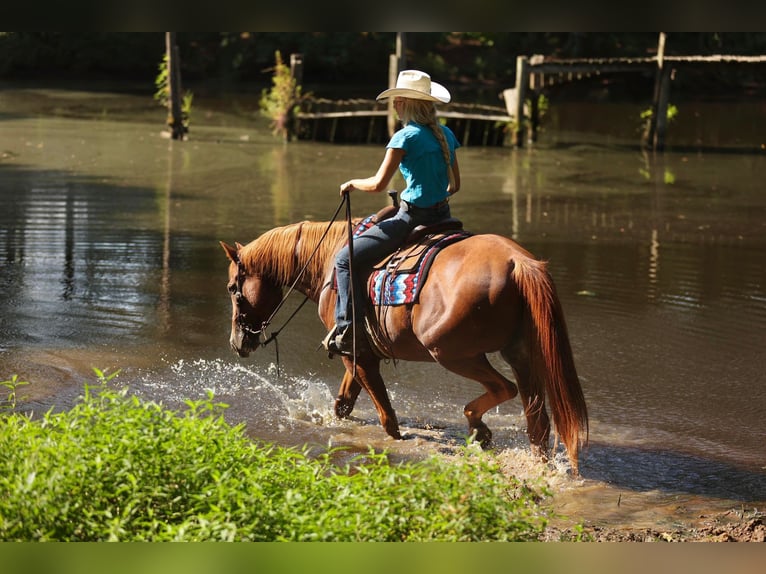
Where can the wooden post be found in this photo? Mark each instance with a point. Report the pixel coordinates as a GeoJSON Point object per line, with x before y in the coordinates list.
{"type": "Point", "coordinates": [662, 110]}
{"type": "Point", "coordinates": [175, 121]}
{"type": "Point", "coordinates": [393, 72]}
{"type": "Point", "coordinates": [651, 133]}
{"type": "Point", "coordinates": [535, 81]}
{"type": "Point", "coordinates": [296, 73]}
{"type": "Point", "coordinates": [522, 81]}
{"type": "Point", "coordinates": [396, 64]}
{"type": "Point", "coordinates": [401, 49]}
{"type": "Point", "coordinates": [296, 68]}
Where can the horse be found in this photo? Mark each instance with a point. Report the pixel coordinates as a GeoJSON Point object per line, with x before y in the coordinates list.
{"type": "Point", "coordinates": [483, 294]}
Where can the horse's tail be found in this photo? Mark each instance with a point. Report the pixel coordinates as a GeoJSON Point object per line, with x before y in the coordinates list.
{"type": "Point", "coordinates": [552, 368]}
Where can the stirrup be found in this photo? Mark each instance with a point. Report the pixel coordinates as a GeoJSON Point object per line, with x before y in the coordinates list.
{"type": "Point", "coordinates": [329, 337]}
{"type": "Point", "coordinates": [339, 343]}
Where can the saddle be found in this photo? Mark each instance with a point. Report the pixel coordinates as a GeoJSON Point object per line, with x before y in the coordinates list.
{"type": "Point", "coordinates": [398, 278]}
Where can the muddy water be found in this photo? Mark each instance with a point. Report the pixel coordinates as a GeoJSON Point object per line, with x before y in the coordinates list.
{"type": "Point", "coordinates": [110, 259]}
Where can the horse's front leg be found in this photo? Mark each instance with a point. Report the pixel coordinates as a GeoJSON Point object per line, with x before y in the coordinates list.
{"type": "Point", "coordinates": [347, 395]}
{"type": "Point", "coordinates": [368, 375]}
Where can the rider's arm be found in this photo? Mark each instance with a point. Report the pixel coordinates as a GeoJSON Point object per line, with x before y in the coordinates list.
{"type": "Point", "coordinates": [381, 179]}
{"type": "Point", "coordinates": [455, 185]}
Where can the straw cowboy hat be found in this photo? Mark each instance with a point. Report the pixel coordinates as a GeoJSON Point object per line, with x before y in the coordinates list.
{"type": "Point", "coordinates": [418, 86]}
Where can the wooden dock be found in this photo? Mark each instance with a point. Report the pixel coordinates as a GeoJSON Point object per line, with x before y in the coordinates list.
{"type": "Point", "coordinates": [369, 121]}
{"type": "Point", "coordinates": [533, 74]}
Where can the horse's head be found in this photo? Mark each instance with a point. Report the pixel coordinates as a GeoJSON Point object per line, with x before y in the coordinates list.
{"type": "Point", "coordinates": [253, 300]}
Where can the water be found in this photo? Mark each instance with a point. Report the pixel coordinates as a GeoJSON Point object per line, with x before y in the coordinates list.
{"type": "Point", "coordinates": [110, 259]}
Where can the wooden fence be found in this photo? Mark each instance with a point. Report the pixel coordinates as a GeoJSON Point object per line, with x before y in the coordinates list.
{"type": "Point", "coordinates": [368, 121]}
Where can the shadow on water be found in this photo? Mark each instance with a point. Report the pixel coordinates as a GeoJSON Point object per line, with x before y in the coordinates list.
{"type": "Point", "coordinates": [644, 470]}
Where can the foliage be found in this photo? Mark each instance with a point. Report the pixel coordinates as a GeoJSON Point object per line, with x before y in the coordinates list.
{"type": "Point", "coordinates": [645, 127]}
{"type": "Point", "coordinates": [357, 62]}
{"type": "Point", "coordinates": [118, 468]}
{"type": "Point", "coordinates": [339, 54]}
{"type": "Point", "coordinates": [11, 386]}
{"type": "Point", "coordinates": [162, 93]}
{"type": "Point", "coordinates": [647, 114]}
{"type": "Point", "coordinates": [280, 102]}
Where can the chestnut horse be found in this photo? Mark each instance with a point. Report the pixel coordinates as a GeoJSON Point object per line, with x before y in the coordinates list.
{"type": "Point", "coordinates": [483, 294]}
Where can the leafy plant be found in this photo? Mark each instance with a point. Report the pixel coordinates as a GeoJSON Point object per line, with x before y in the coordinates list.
{"type": "Point", "coordinates": [280, 102]}
{"type": "Point", "coordinates": [647, 114]}
{"type": "Point", "coordinates": [162, 93]}
{"type": "Point", "coordinates": [11, 385]}
{"type": "Point", "coordinates": [115, 467]}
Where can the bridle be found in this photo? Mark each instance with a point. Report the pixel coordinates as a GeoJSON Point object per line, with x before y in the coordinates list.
{"type": "Point", "coordinates": [238, 296]}
{"type": "Point", "coordinates": [261, 334]}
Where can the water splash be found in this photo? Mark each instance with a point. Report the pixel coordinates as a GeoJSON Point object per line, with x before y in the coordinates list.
{"type": "Point", "coordinates": [254, 395]}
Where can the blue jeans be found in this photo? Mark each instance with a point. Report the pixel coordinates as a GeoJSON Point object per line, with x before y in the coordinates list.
{"type": "Point", "coordinates": [373, 245]}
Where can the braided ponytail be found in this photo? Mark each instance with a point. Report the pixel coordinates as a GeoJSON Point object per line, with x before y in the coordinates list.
{"type": "Point", "coordinates": [424, 112]}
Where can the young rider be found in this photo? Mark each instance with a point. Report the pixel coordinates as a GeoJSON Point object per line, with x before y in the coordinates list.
{"type": "Point", "coordinates": [425, 153]}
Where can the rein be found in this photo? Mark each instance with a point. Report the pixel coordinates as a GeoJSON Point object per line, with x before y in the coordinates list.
{"type": "Point", "coordinates": [350, 233]}
{"type": "Point", "coordinates": [261, 334]}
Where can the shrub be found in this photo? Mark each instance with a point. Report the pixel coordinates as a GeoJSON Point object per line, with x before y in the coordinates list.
{"type": "Point", "coordinates": [280, 103]}
{"type": "Point", "coordinates": [118, 468]}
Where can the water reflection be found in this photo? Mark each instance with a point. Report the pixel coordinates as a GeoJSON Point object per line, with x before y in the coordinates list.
{"type": "Point", "coordinates": [65, 258]}
{"type": "Point", "coordinates": [655, 213]}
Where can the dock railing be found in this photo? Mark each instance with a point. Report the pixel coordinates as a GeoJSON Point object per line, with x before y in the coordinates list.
{"type": "Point", "coordinates": [516, 122]}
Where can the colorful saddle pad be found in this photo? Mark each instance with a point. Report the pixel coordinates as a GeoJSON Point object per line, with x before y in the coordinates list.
{"type": "Point", "coordinates": [397, 280]}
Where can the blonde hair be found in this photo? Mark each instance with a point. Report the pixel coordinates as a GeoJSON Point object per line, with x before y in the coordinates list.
{"type": "Point", "coordinates": [424, 112]}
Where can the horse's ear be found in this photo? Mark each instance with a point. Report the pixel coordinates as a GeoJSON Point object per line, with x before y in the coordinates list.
{"type": "Point", "coordinates": [231, 252]}
{"type": "Point", "coordinates": [239, 245]}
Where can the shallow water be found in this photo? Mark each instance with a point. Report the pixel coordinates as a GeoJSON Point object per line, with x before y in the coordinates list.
{"type": "Point", "coordinates": [110, 259]}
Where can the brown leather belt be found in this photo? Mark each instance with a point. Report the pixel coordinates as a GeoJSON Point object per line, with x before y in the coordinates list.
{"type": "Point", "coordinates": [411, 207]}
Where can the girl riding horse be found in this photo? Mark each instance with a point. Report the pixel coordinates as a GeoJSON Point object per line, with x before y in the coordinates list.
{"type": "Point", "coordinates": [424, 152]}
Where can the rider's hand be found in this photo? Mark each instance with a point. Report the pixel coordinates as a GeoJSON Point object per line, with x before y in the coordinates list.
{"type": "Point", "coordinates": [346, 188]}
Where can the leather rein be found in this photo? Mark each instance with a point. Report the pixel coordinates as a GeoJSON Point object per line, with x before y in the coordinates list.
{"type": "Point", "coordinates": [261, 334]}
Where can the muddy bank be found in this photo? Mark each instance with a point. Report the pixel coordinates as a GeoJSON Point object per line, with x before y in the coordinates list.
{"type": "Point", "coordinates": [683, 521]}
{"type": "Point", "coordinates": [731, 526]}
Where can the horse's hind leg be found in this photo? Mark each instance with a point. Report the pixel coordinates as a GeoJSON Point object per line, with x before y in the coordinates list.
{"type": "Point", "coordinates": [347, 395]}
{"type": "Point", "coordinates": [499, 389]}
{"type": "Point", "coordinates": [532, 398]}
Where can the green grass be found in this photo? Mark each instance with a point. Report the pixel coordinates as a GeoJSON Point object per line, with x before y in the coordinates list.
{"type": "Point", "coordinates": [117, 468]}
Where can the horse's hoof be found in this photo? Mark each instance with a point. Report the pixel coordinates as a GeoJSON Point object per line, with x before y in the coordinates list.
{"type": "Point", "coordinates": [343, 408]}
{"type": "Point", "coordinates": [392, 430]}
{"type": "Point", "coordinates": [541, 453]}
{"type": "Point", "coordinates": [483, 436]}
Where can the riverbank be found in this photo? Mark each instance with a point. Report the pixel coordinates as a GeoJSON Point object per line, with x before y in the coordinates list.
{"type": "Point", "coordinates": [549, 485]}
{"type": "Point", "coordinates": [730, 526]}
{"type": "Point", "coordinates": [744, 523]}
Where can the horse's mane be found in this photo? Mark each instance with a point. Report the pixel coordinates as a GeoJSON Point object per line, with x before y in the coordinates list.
{"type": "Point", "coordinates": [281, 253]}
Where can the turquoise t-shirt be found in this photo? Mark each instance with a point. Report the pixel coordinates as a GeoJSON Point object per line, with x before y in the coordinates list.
{"type": "Point", "coordinates": [423, 164]}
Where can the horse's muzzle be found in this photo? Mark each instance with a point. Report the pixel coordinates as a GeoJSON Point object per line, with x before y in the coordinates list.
{"type": "Point", "coordinates": [242, 343]}
{"type": "Point", "coordinates": [244, 353]}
